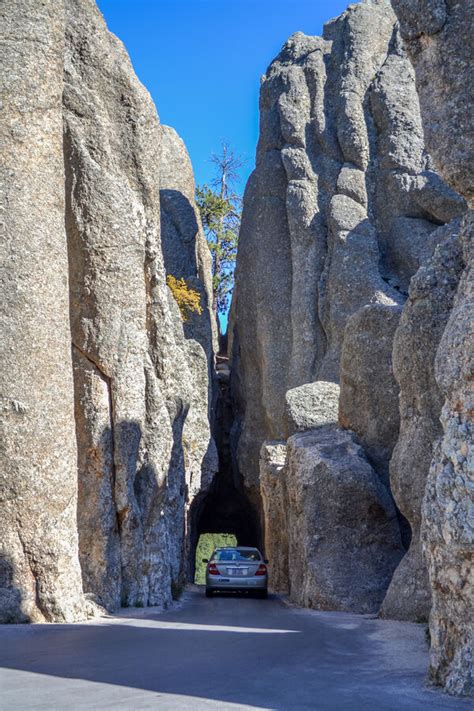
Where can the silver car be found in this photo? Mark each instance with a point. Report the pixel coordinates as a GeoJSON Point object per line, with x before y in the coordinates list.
{"type": "Point", "coordinates": [237, 569]}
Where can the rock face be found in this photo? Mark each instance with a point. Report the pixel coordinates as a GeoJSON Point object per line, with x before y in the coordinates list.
{"type": "Point", "coordinates": [124, 322]}
{"type": "Point", "coordinates": [447, 531]}
{"type": "Point", "coordinates": [136, 396]}
{"type": "Point", "coordinates": [417, 338]}
{"type": "Point", "coordinates": [311, 405]}
{"type": "Point", "coordinates": [346, 200]}
{"type": "Point", "coordinates": [39, 567]}
{"type": "Point", "coordinates": [185, 251]}
{"type": "Point", "coordinates": [344, 538]}
{"type": "Point", "coordinates": [438, 35]}
{"type": "Point", "coordinates": [438, 39]}
{"type": "Point", "coordinates": [272, 482]}
{"type": "Point", "coordinates": [331, 528]}
{"type": "Point", "coordinates": [369, 391]}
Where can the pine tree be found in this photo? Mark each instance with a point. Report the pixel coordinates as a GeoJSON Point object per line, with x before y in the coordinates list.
{"type": "Point", "coordinates": [220, 208]}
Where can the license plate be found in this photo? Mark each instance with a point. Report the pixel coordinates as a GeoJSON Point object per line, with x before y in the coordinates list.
{"type": "Point", "coordinates": [237, 571]}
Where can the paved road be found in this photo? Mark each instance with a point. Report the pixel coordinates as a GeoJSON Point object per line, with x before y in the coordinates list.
{"type": "Point", "coordinates": [223, 653]}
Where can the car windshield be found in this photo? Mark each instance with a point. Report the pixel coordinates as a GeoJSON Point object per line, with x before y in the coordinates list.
{"type": "Point", "coordinates": [233, 554]}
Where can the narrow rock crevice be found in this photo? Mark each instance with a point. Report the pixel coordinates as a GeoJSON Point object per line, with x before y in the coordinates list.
{"type": "Point", "coordinates": [225, 506]}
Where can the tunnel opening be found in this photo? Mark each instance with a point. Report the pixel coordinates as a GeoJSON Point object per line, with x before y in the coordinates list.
{"type": "Point", "coordinates": [224, 508]}
{"type": "Point", "coordinates": [207, 543]}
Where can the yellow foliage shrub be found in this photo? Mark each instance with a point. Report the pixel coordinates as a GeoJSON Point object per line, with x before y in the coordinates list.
{"type": "Point", "coordinates": [188, 300]}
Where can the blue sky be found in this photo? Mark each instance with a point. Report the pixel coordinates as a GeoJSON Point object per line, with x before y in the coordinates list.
{"type": "Point", "coordinates": [201, 60]}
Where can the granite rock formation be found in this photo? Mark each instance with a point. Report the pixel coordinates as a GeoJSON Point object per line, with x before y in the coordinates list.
{"type": "Point", "coordinates": [344, 538]}
{"type": "Point", "coordinates": [40, 573]}
{"type": "Point", "coordinates": [331, 526]}
{"type": "Point", "coordinates": [438, 37]}
{"type": "Point", "coordinates": [185, 251]}
{"type": "Point", "coordinates": [311, 405]}
{"type": "Point", "coordinates": [346, 199]}
{"type": "Point", "coordinates": [272, 482]}
{"type": "Point", "coordinates": [424, 318]}
{"type": "Point", "coordinates": [447, 530]}
{"type": "Point", "coordinates": [118, 435]}
{"type": "Point", "coordinates": [351, 332]}
{"type": "Point", "coordinates": [369, 401]}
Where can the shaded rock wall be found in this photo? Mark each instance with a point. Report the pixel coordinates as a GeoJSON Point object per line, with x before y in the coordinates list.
{"type": "Point", "coordinates": [185, 251]}
{"type": "Point", "coordinates": [369, 401]}
{"type": "Point", "coordinates": [138, 390]}
{"type": "Point", "coordinates": [438, 36]}
{"type": "Point", "coordinates": [273, 486]}
{"type": "Point", "coordinates": [344, 538]}
{"type": "Point", "coordinates": [347, 202]}
{"type": "Point", "coordinates": [424, 318]}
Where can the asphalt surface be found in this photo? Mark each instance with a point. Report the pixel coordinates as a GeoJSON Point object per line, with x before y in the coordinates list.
{"type": "Point", "coordinates": [220, 653]}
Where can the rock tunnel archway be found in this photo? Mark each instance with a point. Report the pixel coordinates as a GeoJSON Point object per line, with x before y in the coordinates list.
{"type": "Point", "coordinates": [224, 508]}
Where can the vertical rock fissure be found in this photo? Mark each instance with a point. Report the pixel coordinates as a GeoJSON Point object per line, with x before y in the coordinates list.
{"type": "Point", "coordinates": [108, 382]}
{"type": "Point", "coordinates": [224, 508]}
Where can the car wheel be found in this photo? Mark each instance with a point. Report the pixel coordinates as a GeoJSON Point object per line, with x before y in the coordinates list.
{"type": "Point", "coordinates": [208, 592]}
{"type": "Point", "coordinates": [263, 594]}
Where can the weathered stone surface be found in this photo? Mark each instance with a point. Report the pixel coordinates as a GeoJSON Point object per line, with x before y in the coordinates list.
{"type": "Point", "coordinates": [311, 405]}
{"type": "Point", "coordinates": [369, 392]}
{"type": "Point", "coordinates": [136, 395]}
{"type": "Point", "coordinates": [438, 38]}
{"type": "Point", "coordinates": [124, 321]}
{"type": "Point", "coordinates": [417, 338]}
{"type": "Point", "coordinates": [272, 482]}
{"type": "Point", "coordinates": [447, 526]}
{"type": "Point", "coordinates": [97, 520]}
{"type": "Point", "coordinates": [185, 251]}
{"type": "Point", "coordinates": [351, 278]}
{"type": "Point", "coordinates": [344, 539]}
{"type": "Point", "coordinates": [435, 197]}
{"type": "Point", "coordinates": [39, 568]}
{"type": "Point", "coordinates": [341, 210]}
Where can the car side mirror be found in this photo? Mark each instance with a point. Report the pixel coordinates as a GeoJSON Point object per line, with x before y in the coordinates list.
{"type": "Point", "coordinates": [266, 561]}
{"type": "Point", "coordinates": [205, 560]}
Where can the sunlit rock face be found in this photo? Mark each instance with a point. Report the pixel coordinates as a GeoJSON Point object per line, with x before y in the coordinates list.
{"type": "Point", "coordinates": [343, 208]}
{"type": "Point", "coordinates": [40, 577]}
{"type": "Point", "coordinates": [438, 36]}
{"type": "Point", "coordinates": [102, 455]}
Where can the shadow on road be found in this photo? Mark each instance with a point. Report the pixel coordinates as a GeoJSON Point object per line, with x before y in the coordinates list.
{"type": "Point", "coordinates": [233, 650]}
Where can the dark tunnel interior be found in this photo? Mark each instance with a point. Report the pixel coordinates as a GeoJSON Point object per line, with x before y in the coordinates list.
{"type": "Point", "coordinates": [225, 508]}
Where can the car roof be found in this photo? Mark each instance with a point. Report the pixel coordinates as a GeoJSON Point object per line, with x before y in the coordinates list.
{"type": "Point", "coordinates": [236, 548]}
